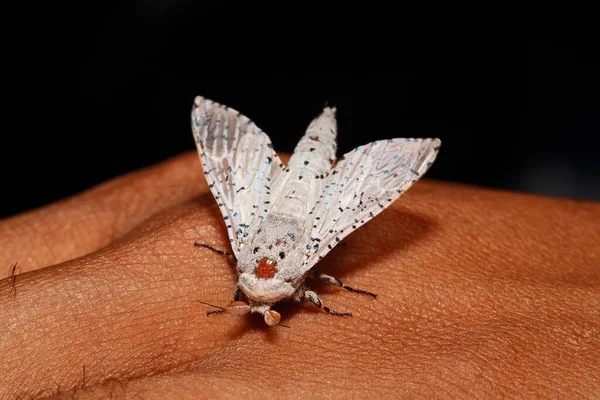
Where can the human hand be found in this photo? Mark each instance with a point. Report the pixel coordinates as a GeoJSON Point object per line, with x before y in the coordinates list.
{"type": "Point", "coordinates": [481, 294]}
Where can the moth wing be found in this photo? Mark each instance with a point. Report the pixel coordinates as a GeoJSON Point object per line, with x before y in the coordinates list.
{"type": "Point", "coordinates": [363, 183]}
{"type": "Point", "coordinates": [239, 163]}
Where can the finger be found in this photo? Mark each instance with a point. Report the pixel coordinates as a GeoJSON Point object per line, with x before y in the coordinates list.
{"type": "Point", "coordinates": [453, 305]}
{"type": "Point", "coordinates": [88, 221]}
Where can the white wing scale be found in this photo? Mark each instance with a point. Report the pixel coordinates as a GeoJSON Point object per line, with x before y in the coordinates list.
{"type": "Point", "coordinates": [239, 164]}
{"type": "Point", "coordinates": [363, 183]}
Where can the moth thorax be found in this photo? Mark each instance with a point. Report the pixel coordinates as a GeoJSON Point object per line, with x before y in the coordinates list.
{"type": "Point", "coordinates": [266, 268]}
{"type": "Point", "coordinates": [272, 317]}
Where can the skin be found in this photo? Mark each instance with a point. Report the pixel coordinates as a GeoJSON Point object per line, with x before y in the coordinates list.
{"type": "Point", "coordinates": [481, 294]}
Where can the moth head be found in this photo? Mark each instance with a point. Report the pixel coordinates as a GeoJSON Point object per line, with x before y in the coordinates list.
{"type": "Point", "coordinates": [265, 290]}
{"type": "Point", "coordinates": [266, 274]}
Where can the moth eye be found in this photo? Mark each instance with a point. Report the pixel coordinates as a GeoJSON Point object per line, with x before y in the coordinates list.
{"type": "Point", "coordinates": [282, 255]}
{"type": "Point", "coordinates": [256, 250]}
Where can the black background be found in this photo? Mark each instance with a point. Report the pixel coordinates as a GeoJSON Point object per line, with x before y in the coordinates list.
{"type": "Point", "coordinates": [93, 93]}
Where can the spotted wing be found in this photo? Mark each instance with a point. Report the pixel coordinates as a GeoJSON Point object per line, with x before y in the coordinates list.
{"type": "Point", "coordinates": [239, 164]}
{"type": "Point", "coordinates": [363, 183]}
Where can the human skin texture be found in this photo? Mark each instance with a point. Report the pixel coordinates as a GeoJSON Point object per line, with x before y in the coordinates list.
{"type": "Point", "coordinates": [482, 294]}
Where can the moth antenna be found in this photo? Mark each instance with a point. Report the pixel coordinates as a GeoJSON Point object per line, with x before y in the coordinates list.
{"type": "Point", "coordinates": [236, 308]}
{"type": "Point", "coordinates": [218, 251]}
{"type": "Point", "coordinates": [220, 309]}
{"type": "Point", "coordinates": [211, 305]}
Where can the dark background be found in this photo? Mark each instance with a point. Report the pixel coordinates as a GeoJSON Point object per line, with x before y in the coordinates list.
{"type": "Point", "coordinates": [93, 93]}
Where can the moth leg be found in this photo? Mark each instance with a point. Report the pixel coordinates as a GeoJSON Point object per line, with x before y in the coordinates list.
{"type": "Point", "coordinates": [314, 298]}
{"type": "Point", "coordinates": [334, 281]}
{"type": "Point", "coordinates": [208, 246]}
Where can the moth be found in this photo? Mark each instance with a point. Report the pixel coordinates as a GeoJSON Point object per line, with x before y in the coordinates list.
{"type": "Point", "coordinates": [282, 219]}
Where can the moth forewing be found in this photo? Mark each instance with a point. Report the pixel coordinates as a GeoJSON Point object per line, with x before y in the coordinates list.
{"type": "Point", "coordinates": [365, 182]}
{"type": "Point", "coordinates": [239, 163]}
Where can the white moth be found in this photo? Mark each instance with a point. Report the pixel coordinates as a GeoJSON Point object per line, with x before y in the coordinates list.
{"type": "Point", "coordinates": [282, 219]}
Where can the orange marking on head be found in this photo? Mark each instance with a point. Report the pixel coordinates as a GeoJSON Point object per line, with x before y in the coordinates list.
{"type": "Point", "coordinates": [278, 243]}
{"type": "Point", "coordinates": [266, 268]}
